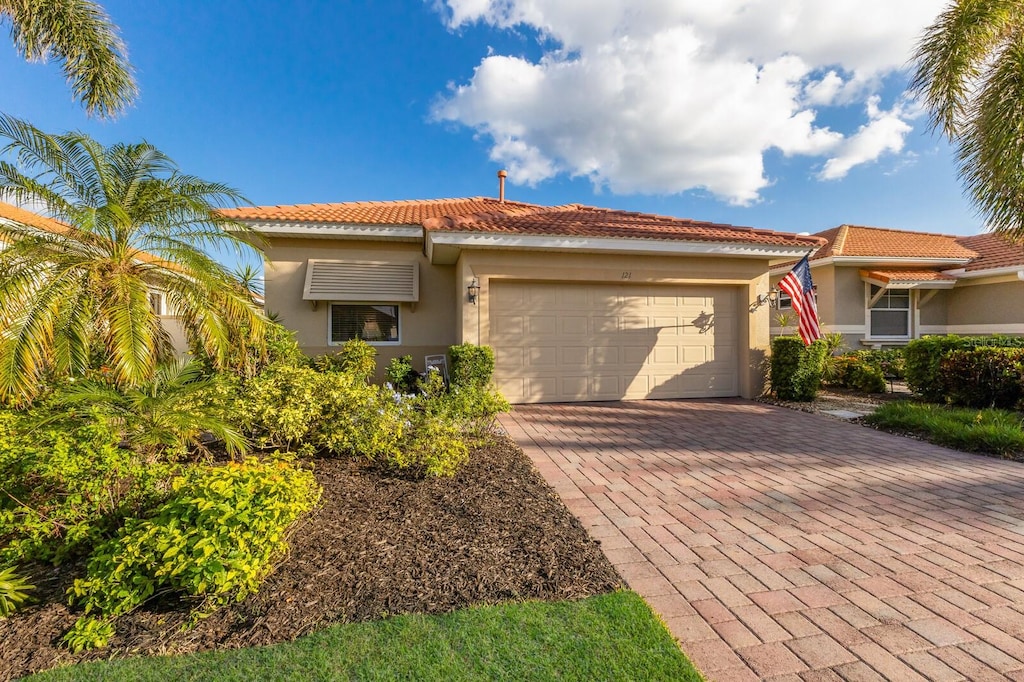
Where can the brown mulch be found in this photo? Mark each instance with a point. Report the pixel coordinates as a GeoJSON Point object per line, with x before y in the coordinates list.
{"type": "Point", "coordinates": [379, 545]}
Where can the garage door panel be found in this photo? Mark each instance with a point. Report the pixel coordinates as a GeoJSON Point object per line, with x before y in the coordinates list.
{"type": "Point", "coordinates": [574, 387]}
{"type": "Point", "coordinates": [606, 356]}
{"type": "Point", "coordinates": [544, 356]}
{"type": "Point", "coordinates": [508, 326]}
{"type": "Point", "coordinates": [567, 342]}
{"type": "Point", "coordinates": [607, 387]}
{"type": "Point", "coordinates": [575, 326]}
{"type": "Point", "coordinates": [509, 360]}
{"type": "Point", "coordinates": [665, 355]}
{"type": "Point", "coordinates": [542, 325]}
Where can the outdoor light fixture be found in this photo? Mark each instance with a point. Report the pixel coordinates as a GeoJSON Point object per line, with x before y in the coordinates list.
{"type": "Point", "coordinates": [473, 290]}
{"type": "Point", "coordinates": [771, 298]}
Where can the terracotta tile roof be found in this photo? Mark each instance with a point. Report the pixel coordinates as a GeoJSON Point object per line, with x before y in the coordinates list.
{"type": "Point", "coordinates": [879, 242]}
{"type": "Point", "coordinates": [907, 276]}
{"type": "Point", "coordinates": [994, 251]}
{"type": "Point", "coordinates": [20, 215]}
{"type": "Point", "coordinates": [483, 214]}
{"type": "Point", "coordinates": [588, 221]}
{"type": "Point", "coordinates": [41, 222]}
{"type": "Point", "coordinates": [412, 212]}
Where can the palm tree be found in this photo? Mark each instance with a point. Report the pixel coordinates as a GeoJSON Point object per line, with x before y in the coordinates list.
{"type": "Point", "coordinates": [970, 75]}
{"type": "Point", "coordinates": [165, 417]}
{"type": "Point", "coordinates": [130, 223]}
{"type": "Point", "coordinates": [81, 36]}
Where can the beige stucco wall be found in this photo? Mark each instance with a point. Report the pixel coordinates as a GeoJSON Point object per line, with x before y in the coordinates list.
{"type": "Point", "coordinates": [998, 303]}
{"type": "Point", "coordinates": [749, 277]}
{"type": "Point", "coordinates": [427, 327]}
{"type": "Point", "coordinates": [935, 310]}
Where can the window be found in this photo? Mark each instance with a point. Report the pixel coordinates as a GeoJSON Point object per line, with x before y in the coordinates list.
{"type": "Point", "coordinates": [156, 302]}
{"type": "Point", "coordinates": [890, 315]}
{"type": "Point", "coordinates": [785, 302]}
{"type": "Point", "coordinates": [372, 323]}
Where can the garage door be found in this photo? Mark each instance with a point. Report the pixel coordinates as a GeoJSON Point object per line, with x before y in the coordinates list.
{"type": "Point", "coordinates": [576, 342]}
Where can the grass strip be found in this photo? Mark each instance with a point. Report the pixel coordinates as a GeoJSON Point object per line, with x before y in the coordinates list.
{"type": "Point", "coordinates": [608, 637]}
{"type": "Point", "coordinates": [990, 431]}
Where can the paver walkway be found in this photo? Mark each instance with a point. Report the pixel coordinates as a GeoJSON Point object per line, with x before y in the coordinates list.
{"type": "Point", "coordinates": [784, 545]}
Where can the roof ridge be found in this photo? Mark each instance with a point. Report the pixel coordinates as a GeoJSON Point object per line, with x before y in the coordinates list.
{"type": "Point", "coordinates": [840, 241]}
{"type": "Point", "coordinates": [896, 229]}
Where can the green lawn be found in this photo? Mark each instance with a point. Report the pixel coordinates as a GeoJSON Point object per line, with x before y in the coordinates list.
{"type": "Point", "coordinates": [609, 637]}
{"type": "Point", "coordinates": [990, 430]}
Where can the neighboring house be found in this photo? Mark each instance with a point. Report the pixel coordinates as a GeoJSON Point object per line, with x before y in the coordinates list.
{"type": "Point", "coordinates": [882, 287]}
{"type": "Point", "coordinates": [579, 303]}
{"type": "Point", "coordinates": [14, 215]}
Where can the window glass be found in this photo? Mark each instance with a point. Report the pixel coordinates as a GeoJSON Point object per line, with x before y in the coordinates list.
{"type": "Point", "coordinates": [890, 315]}
{"type": "Point", "coordinates": [373, 323]}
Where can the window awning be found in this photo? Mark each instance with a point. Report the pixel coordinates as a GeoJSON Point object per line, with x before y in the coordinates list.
{"type": "Point", "coordinates": [908, 279]}
{"type": "Point", "coordinates": [362, 281]}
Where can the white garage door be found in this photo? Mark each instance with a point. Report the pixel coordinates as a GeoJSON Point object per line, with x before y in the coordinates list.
{"type": "Point", "coordinates": [577, 342]}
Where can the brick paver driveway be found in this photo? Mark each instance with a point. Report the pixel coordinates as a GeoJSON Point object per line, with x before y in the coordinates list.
{"type": "Point", "coordinates": [779, 543]}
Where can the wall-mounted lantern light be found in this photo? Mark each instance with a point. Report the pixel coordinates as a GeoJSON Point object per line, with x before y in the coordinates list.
{"type": "Point", "coordinates": [473, 290]}
{"type": "Point", "coordinates": [771, 299]}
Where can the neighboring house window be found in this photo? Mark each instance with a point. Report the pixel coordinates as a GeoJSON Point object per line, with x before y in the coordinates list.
{"type": "Point", "coordinates": [372, 323]}
{"type": "Point", "coordinates": [156, 303]}
{"type": "Point", "coordinates": [890, 315]}
{"type": "Point", "coordinates": [785, 302]}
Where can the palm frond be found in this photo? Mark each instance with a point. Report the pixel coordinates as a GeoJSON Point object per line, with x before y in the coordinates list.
{"type": "Point", "coordinates": [81, 35]}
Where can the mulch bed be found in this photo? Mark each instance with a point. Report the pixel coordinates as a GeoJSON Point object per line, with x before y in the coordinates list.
{"type": "Point", "coordinates": [379, 545]}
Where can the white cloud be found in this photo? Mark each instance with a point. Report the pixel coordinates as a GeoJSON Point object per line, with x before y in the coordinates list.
{"type": "Point", "coordinates": [883, 133]}
{"type": "Point", "coordinates": [670, 95]}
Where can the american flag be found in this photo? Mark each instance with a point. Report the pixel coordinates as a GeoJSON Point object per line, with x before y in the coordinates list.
{"type": "Point", "coordinates": [800, 288]}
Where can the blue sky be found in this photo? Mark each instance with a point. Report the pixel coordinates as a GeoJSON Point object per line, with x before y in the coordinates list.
{"type": "Point", "coordinates": [324, 102]}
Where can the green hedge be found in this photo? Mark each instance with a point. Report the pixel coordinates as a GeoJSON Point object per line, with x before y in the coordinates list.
{"type": "Point", "coordinates": [924, 357]}
{"type": "Point", "coordinates": [796, 369]}
{"type": "Point", "coordinates": [854, 371]}
{"type": "Point", "coordinates": [472, 365]}
{"type": "Point", "coordinates": [984, 377]}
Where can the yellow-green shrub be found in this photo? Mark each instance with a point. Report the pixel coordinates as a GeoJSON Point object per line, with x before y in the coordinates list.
{"type": "Point", "coordinates": [217, 537]}
{"type": "Point", "coordinates": [63, 489]}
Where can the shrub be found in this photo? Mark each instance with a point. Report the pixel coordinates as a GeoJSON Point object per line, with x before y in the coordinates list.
{"type": "Point", "coordinates": [865, 376]}
{"type": "Point", "coordinates": [336, 412]}
{"type": "Point", "coordinates": [368, 421]}
{"type": "Point", "coordinates": [796, 369]}
{"type": "Point", "coordinates": [891, 361]}
{"type": "Point", "coordinates": [401, 375]}
{"type": "Point", "coordinates": [246, 359]}
{"type": "Point", "coordinates": [217, 538]}
{"type": "Point", "coordinates": [435, 447]}
{"type": "Point", "coordinates": [924, 360]}
{"type": "Point", "coordinates": [13, 591]}
{"type": "Point", "coordinates": [64, 489]}
{"type": "Point", "coordinates": [179, 410]}
{"type": "Point", "coordinates": [984, 377]}
{"type": "Point", "coordinates": [356, 358]}
{"type": "Point", "coordinates": [472, 365]}
{"type": "Point", "coordinates": [279, 407]}
{"type": "Point", "coordinates": [833, 368]}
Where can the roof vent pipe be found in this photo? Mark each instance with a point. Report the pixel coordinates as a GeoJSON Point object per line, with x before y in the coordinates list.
{"type": "Point", "coordinates": [502, 174]}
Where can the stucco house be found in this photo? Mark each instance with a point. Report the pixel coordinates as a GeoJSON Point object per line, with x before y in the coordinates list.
{"type": "Point", "coordinates": [579, 303]}
{"type": "Point", "coordinates": [883, 287]}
